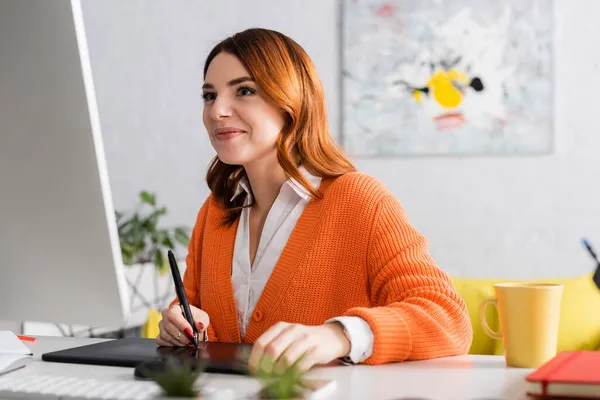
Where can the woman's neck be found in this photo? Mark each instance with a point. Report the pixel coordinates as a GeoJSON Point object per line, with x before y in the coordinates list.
{"type": "Point", "coordinates": [266, 177]}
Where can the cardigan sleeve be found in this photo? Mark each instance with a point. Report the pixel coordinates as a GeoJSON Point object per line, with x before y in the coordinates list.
{"type": "Point", "coordinates": [191, 276]}
{"type": "Point", "coordinates": [416, 313]}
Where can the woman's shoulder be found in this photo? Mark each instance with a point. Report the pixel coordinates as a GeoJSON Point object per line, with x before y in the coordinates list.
{"type": "Point", "coordinates": [360, 184]}
{"type": "Point", "coordinates": [358, 188]}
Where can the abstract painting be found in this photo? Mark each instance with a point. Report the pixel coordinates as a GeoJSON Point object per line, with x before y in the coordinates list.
{"type": "Point", "coordinates": [435, 77]}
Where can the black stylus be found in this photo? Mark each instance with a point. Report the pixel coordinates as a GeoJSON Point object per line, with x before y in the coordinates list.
{"type": "Point", "coordinates": [183, 301]}
{"type": "Point", "coordinates": [596, 277]}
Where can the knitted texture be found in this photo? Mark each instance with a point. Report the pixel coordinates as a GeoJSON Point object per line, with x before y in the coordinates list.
{"type": "Point", "coordinates": [354, 253]}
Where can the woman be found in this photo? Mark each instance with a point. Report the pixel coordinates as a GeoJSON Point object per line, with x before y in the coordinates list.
{"type": "Point", "coordinates": [293, 250]}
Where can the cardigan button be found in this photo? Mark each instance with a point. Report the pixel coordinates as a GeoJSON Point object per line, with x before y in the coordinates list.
{"type": "Point", "coordinates": [257, 315]}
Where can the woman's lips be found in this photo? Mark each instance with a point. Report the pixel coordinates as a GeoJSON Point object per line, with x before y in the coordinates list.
{"type": "Point", "coordinates": [227, 133]}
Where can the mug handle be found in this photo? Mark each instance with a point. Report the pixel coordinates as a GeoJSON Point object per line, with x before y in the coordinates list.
{"type": "Point", "coordinates": [486, 328]}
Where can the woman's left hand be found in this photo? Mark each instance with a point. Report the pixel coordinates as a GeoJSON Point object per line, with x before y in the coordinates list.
{"type": "Point", "coordinates": [285, 343]}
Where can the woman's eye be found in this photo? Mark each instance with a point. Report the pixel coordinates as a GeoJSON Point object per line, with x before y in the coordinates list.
{"type": "Point", "coordinates": [209, 96]}
{"type": "Point", "coordinates": [245, 91]}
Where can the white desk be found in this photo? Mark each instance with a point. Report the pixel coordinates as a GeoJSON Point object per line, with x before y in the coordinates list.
{"type": "Point", "coordinates": [460, 378]}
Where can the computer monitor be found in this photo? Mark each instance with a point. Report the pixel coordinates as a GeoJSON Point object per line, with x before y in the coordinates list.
{"type": "Point", "coordinates": [60, 258]}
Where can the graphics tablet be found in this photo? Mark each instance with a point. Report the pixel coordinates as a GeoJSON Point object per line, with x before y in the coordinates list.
{"type": "Point", "coordinates": [219, 357]}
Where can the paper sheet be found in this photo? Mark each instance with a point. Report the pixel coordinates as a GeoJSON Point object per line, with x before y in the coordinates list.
{"type": "Point", "coordinates": [10, 344]}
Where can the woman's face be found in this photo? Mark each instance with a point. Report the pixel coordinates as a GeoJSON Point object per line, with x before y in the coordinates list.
{"type": "Point", "coordinates": [242, 125]}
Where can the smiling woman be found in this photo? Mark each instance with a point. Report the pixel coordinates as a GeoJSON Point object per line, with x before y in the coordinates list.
{"type": "Point", "coordinates": [276, 104]}
{"type": "Point", "coordinates": [242, 124]}
{"type": "Point", "coordinates": [294, 250]}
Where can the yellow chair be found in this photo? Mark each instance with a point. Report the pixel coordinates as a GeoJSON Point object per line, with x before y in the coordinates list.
{"type": "Point", "coordinates": [150, 328]}
{"type": "Point", "coordinates": [579, 316]}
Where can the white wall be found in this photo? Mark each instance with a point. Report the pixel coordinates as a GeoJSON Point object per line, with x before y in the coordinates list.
{"type": "Point", "coordinates": [12, 326]}
{"type": "Point", "coordinates": [484, 216]}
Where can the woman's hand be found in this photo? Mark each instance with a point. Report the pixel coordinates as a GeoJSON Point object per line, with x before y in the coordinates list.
{"type": "Point", "coordinates": [285, 343]}
{"type": "Point", "coordinates": [174, 328]}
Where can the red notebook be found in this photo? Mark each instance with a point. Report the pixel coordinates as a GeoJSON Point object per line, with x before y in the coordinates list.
{"type": "Point", "coordinates": [571, 374]}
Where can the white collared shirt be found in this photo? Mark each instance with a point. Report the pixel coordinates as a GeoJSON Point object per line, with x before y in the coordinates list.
{"type": "Point", "coordinates": [249, 280]}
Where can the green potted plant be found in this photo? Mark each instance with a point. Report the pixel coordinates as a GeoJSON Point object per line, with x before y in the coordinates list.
{"type": "Point", "coordinates": [179, 380]}
{"type": "Point", "coordinates": [144, 243]}
{"type": "Point", "coordinates": [141, 239]}
{"type": "Point", "coordinates": [277, 381]}
{"type": "Point", "coordinates": [282, 381]}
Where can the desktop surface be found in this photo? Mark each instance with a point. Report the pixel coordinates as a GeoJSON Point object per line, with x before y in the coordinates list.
{"type": "Point", "coordinates": [460, 378]}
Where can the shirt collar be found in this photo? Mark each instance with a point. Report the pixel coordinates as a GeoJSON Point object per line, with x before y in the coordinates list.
{"type": "Point", "coordinates": [243, 185]}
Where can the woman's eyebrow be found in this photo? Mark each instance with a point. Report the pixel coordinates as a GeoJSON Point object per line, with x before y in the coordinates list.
{"type": "Point", "coordinates": [232, 82]}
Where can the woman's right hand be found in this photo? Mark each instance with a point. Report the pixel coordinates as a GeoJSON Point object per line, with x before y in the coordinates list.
{"type": "Point", "coordinates": [174, 328]}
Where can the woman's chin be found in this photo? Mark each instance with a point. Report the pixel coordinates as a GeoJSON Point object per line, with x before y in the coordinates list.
{"type": "Point", "coordinates": [230, 159]}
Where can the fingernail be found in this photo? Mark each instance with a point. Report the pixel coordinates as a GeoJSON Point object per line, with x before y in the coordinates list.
{"type": "Point", "coordinates": [200, 326]}
{"type": "Point", "coordinates": [188, 332]}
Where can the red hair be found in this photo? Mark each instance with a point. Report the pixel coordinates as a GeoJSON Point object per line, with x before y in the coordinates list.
{"type": "Point", "coordinates": [288, 78]}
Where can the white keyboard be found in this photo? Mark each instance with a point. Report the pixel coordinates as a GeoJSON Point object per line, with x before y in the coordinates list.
{"type": "Point", "coordinates": [63, 387]}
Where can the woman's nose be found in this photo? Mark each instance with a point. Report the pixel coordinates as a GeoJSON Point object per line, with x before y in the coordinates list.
{"type": "Point", "coordinates": [221, 108]}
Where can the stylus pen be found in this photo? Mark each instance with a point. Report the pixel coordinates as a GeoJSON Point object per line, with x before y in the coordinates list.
{"type": "Point", "coordinates": [183, 301]}
{"type": "Point", "coordinates": [596, 277]}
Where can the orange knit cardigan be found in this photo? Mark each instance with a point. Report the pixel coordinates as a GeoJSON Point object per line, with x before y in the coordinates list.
{"type": "Point", "coordinates": [352, 253]}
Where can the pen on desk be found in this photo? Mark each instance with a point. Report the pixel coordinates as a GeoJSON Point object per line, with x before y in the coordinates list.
{"type": "Point", "coordinates": [183, 301]}
{"type": "Point", "coordinates": [590, 250]}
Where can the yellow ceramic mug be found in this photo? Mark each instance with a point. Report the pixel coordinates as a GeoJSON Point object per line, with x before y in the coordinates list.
{"type": "Point", "coordinates": [529, 315]}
